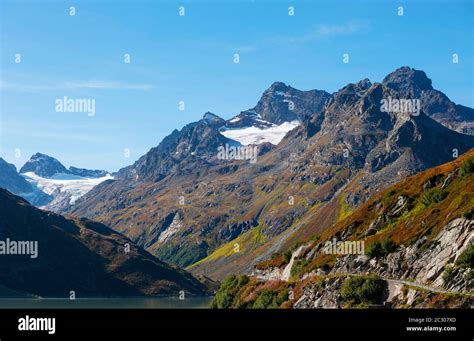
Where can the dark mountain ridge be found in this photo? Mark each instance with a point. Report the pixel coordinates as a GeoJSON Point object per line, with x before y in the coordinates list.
{"type": "Point", "coordinates": [82, 256]}
{"type": "Point", "coordinates": [11, 180]}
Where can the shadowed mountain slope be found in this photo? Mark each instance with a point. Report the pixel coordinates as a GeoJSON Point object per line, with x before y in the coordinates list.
{"type": "Point", "coordinates": [80, 255]}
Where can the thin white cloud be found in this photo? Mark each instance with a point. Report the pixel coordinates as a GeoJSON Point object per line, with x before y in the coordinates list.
{"type": "Point", "coordinates": [317, 33]}
{"type": "Point", "coordinates": [99, 85]}
{"type": "Point", "coordinates": [321, 32]}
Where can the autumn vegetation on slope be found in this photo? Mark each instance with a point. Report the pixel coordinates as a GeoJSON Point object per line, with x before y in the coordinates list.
{"type": "Point", "coordinates": [245, 292]}
{"type": "Point", "coordinates": [431, 199]}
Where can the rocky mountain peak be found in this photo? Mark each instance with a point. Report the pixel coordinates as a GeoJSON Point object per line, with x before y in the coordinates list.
{"type": "Point", "coordinates": [277, 86]}
{"type": "Point", "coordinates": [281, 103]}
{"type": "Point", "coordinates": [408, 81]}
{"type": "Point", "coordinates": [43, 165]}
{"type": "Point", "coordinates": [212, 119]}
{"type": "Point", "coordinates": [363, 84]}
{"type": "Point", "coordinates": [46, 166]}
{"type": "Point", "coordinates": [352, 92]}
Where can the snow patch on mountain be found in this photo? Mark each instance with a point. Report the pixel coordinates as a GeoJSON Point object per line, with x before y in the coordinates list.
{"type": "Point", "coordinates": [255, 135]}
{"type": "Point", "coordinates": [68, 187]}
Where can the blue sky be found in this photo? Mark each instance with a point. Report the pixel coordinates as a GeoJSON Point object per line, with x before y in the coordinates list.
{"type": "Point", "coordinates": [190, 59]}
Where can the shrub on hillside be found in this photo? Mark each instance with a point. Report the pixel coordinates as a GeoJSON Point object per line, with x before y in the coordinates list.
{"type": "Point", "coordinates": [448, 274]}
{"type": "Point", "coordinates": [433, 196]}
{"type": "Point", "coordinates": [268, 299]}
{"type": "Point", "coordinates": [466, 259]}
{"type": "Point", "coordinates": [233, 289]}
{"type": "Point", "coordinates": [288, 253]}
{"type": "Point", "coordinates": [298, 267]}
{"type": "Point", "coordinates": [469, 275]}
{"type": "Point", "coordinates": [468, 214]}
{"type": "Point", "coordinates": [287, 256]}
{"type": "Point", "coordinates": [467, 167]}
{"type": "Point", "coordinates": [227, 295]}
{"type": "Point", "coordinates": [381, 248]}
{"type": "Point", "coordinates": [358, 290]}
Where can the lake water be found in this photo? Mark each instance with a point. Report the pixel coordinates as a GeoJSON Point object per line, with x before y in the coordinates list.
{"type": "Point", "coordinates": [113, 303]}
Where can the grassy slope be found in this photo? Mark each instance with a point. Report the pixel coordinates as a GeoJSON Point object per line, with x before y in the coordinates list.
{"type": "Point", "coordinates": [224, 261]}
{"type": "Point", "coordinates": [419, 219]}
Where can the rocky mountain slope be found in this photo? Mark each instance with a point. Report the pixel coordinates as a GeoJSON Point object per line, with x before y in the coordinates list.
{"type": "Point", "coordinates": [16, 183]}
{"type": "Point", "coordinates": [180, 153]}
{"type": "Point", "coordinates": [187, 206]}
{"type": "Point", "coordinates": [79, 255]}
{"type": "Point", "coordinates": [11, 180]}
{"type": "Point", "coordinates": [418, 251]}
{"type": "Point", "coordinates": [381, 148]}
